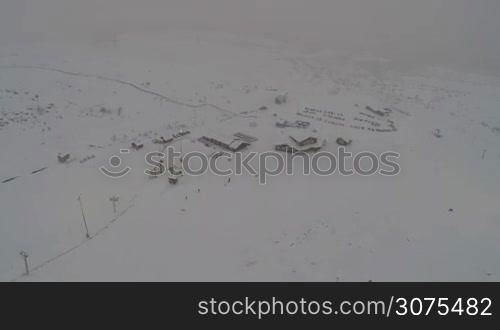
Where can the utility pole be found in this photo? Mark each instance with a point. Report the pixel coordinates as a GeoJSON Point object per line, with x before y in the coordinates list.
{"type": "Point", "coordinates": [114, 200]}
{"type": "Point", "coordinates": [83, 216]}
{"type": "Point", "coordinates": [25, 256]}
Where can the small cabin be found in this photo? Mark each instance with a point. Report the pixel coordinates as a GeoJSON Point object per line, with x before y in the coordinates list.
{"type": "Point", "coordinates": [229, 143]}
{"type": "Point", "coordinates": [304, 140]}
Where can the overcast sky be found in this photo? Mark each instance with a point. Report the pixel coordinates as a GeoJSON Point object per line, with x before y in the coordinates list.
{"type": "Point", "coordinates": [432, 31]}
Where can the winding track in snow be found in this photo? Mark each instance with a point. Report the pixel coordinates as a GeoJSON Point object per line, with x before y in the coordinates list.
{"type": "Point", "coordinates": [123, 82]}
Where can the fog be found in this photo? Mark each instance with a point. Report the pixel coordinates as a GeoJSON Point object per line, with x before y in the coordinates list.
{"type": "Point", "coordinates": [457, 33]}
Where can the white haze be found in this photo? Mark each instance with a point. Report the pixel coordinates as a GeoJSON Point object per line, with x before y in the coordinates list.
{"type": "Point", "coordinates": [462, 34]}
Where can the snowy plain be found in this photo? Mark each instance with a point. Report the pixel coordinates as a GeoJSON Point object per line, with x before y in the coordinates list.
{"type": "Point", "coordinates": [437, 220]}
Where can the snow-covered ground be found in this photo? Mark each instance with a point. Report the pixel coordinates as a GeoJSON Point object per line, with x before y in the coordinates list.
{"type": "Point", "coordinates": [438, 219]}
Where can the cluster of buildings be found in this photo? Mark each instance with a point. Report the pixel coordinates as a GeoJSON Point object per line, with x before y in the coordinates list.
{"type": "Point", "coordinates": [301, 143]}
{"type": "Point", "coordinates": [239, 141]}
{"type": "Point", "coordinates": [234, 143]}
{"type": "Point", "coordinates": [162, 140]}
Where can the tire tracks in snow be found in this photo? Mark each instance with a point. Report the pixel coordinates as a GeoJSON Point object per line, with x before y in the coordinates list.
{"type": "Point", "coordinates": [125, 83]}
